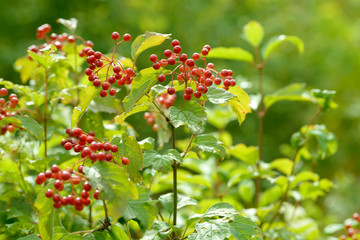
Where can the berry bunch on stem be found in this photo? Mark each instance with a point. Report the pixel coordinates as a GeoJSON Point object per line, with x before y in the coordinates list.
{"type": "Point", "coordinates": [350, 228]}
{"type": "Point", "coordinates": [63, 177]}
{"type": "Point", "coordinates": [115, 70]}
{"type": "Point", "coordinates": [197, 79]}
{"type": "Point", "coordinates": [6, 109]}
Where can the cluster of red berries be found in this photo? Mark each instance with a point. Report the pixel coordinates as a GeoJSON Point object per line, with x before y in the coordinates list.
{"type": "Point", "coordinates": [150, 119]}
{"type": "Point", "coordinates": [98, 61]}
{"type": "Point", "coordinates": [5, 106]}
{"type": "Point", "coordinates": [90, 147]}
{"type": "Point", "coordinates": [166, 100]}
{"type": "Point", "coordinates": [350, 230]}
{"type": "Point", "coordinates": [42, 30]}
{"type": "Point", "coordinates": [67, 176]}
{"type": "Point", "coordinates": [190, 72]}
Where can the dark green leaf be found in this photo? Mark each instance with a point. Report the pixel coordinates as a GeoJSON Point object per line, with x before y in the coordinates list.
{"type": "Point", "coordinates": [243, 228]}
{"type": "Point", "coordinates": [145, 41]}
{"type": "Point", "coordinates": [117, 233]}
{"type": "Point", "coordinates": [92, 122]}
{"type": "Point", "coordinates": [232, 53]}
{"type": "Point", "coordinates": [209, 143]}
{"type": "Point", "coordinates": [324, 98]}
{"type": "Point", "coordinates": [167, 200]}
{"type": "Point", "coordinates": [161, 162]}
{"type": "Point", "coordinates": [214, 230]}
{"type": "Point", "coordinates": [29, 237]}
{"type": "Point", "coordinates": [142, 209]}
{"type": "Point", "coordinates": [85, 100]}
{"type": "Point", "coordinates": [192, 114]}
{"type": "Point", "coordinates": [114, 185]}
{"type": "Point", "coordinates": [275, 42]}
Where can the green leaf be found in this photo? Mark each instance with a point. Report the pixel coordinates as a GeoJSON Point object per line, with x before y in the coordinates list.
{"type": "Point", "coordinates": [231, 53]}
{"type": "Point", "coordinates": [240, 104]}
{"type": "Point", "coordinates": [275, 42]}
{"type": "Point", "coordinates": [303, 177]}
{"type": "Point", "coordinates": [270, 195]}
{"type": "Point", "coordinates": [243, 228]}
{"type": "Point", "coordinates": [292, 92]}
{"type": "Point", "coordinates": [29, 237]}
{"type": "Point", "coordinates": [130, 148]}
{"type": "Point", "coordinates": [142, 209]}
{"type": "Point", "coordinates": [92, 122]}
{"type": "Point", "coordinates": [167, 200]}
{"type": "Point", "coordinates": [283, 165]}
{"type": "Point", "coordinates": [46, 213]}
{"type": "Point", "coordinates": [26, 123]}
{"type": "Point", "coordinates": [248, 154]}
{"type": "Point", "coordinates": [247, 190]}
{"type": "Point", "coordinates": [114, 185]}
{"type": "Point", "coordinates": [117, 233]}
{"type": "Point", "coordinates": [215, 230]}
{"type": "Point", "coordinates": [145, 41]}
{"type": "Point", "coordinates": [147, 144]}
{"type": "Point", "coordinates": [159, 230]}
{"type": "Point", "coordinates": [218, 95]}
{"type": "Point", "coordinates": [324, 98]}
{"type": "Point", "coordinates": [140, 85]}
{"type": "Point", "coordinates": [161, 162]}
{"type": "Point", "coordinates": [222, 209]}
{"type": "Point", "coordinates": [120, 119]}
{"type": "Point", "coordinates": [25, 67]}
{"type": "Point", "coordinates": [209, 143]}
{"type": "Point", "coordinates": [40, 59]}
{"type": "Point", "coordinates": [192, 114]}
{"type": "Point", "coordinates": [85, 101]}
{"type": "Point", "coordinates": [254, 33]}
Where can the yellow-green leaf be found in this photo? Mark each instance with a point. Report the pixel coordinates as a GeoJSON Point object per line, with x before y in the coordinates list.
{"type": "Point", "coordinates": [275, 42]}
{"type": "Point", "coordinates": [254, 33]}
{"type": "Point", "coordinates": [283, 165]}
{"type": "Point", "coordinates": [240, 104]}
{"type": "Point", "coordinates": [232, 53]}
{"type": "Point", "coordinates": [145, 41]}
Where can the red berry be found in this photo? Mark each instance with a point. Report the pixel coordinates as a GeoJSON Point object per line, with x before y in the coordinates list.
{"type": "Point", "coordinates": [109, 157]}
{"type": "Point", "coordinates": [161, 78]}
{"type": "Point", "coordinates": [68, 146]}
{"type": "Point", "coordinates": [40, 179]}
{"type": "Point", "coordinates": [156, 65]}
{"type": "Point", "coordinates": [207, 47]}
{"type": "Point", "coordinates": [171, 90]}
{"type": "Point", "coordinates": [103, 93]}
{"type": "Point", "coordinates": [115, 36]}
{"type": "Point", "coordinates": [59, 185]}
{"type": "Point", "coordinates": [197, 94]}
{"type": "Point", "coordinates": [64, 201]}
{"type": "Point", "coordinates": [125, 161]}
{"type": "Point", "coordinates": [112, 79]}
{"type": "Point", "coordinates": [217, 81]}
{"type": "Point", "coordinates": [183, 57]}
{"type": "Point", "coordinates": [49, 193]}
{"type": "Point", "coordinates": [190, 62]}
{"type": "Point", "coordinates": [112, 92]}
{"type": "Point", "coordinates": [189, 91]}
{"type": "Point", "coordinates": [175, 42]}
{"type": "Point", "coordinates": [208, 82]}
{"type": "Point", "coordinates": [227, 83]}
{"type": "Point", "coordinates": [114, 148]}
{"type": "Point", "coordinates": [65, 175]}
{"type": "Point", "coordinates": [196, 56]}
{"type": "Point", "coordinates": [153, 57]}
{"type": "Point", "coordinates": [57, 204]}
{"type": "Point", "coordinates": [81, 168]}
{"type": "Point", "coordinates": [86, 151]}
{"type": "Point", "coordinates": [167, 53]}
{"type": "Point", "coordinates": [205, 52]}
{"type": "Point", "coordinates": [87, 186]}
{"type": "Point", "coordinates": [99, 63]}
{"type": "Point", "coordinates": [116, 69]}
{"type": "Point", "coordinates": [107, 146]}
{"type": "Point", "coordinates": [127, 37]}
{"type": "Point", "coordinates": [55, 168]}
{"type": "Point", "coordinates": [57, 197]}
{"type": "Point", "coordinates": [105, 85]}
{"type": "Point", "coordinates": [3, 92]}
{"type": "Point", "coordinates": [97, 55]}
{"type": "Point", "coordinates": [120, 82]}
{"type": "Point", "coordinates": [187, 97]}
{"type": "Point", "coordinates": [48, 174]}
{"type": "Point", "coordinates": [101, 156]}
{"type": "Point", "coordinates": [77, 131]}
{"type": "Point", "coordinates": [78, 148]}
{"type": "Point", "coordinates": [84, 194]}
{"type": "Point", "coordinates": [71, 199]}
{"type": "Point", "coordinates": [130, 72]}
{"type": "Point", "coordinates": [177, 49]}
{"type": "Point", "coordinates": [171, 61]}
{"type": "Point", "coordinates": [86, 201]}
{"type": "Point", "coordinates": [96, 194]}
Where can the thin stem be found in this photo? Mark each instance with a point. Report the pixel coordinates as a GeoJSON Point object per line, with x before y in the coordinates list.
{"type": "Point", "coordinates": [175, 164]}
{"type": "Point", "coordinates": [106, 212]}
{"type": "Point", "coordinates": [90, 217]}
{"type": "Point", "coordinates": [45, 111]}
{"type": "Point", "coordinates": [315, 116]}
{"type": "Point", "coordinates": [188, 146]}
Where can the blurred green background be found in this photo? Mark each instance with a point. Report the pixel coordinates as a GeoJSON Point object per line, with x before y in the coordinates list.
{"type": "Point", "coordinates": [330, 30]}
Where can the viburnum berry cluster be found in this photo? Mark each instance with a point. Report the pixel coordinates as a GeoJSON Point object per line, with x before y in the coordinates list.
{"type": "Point", "coordinates": [351, 231]}
{"type": "Point", "coordinates": [166, 100]}
{"type": "Point", "coordinates": [150, 119]}
{"type": "Point", "coordinates": [90, 147]}
{"type": "Point", "coordinates": [196, 78]}
{"type": "Point", "coordinates": [57, 40]}
{"type": "Point", "coordinates": [6, 109]}
{"type": "Point", "coordinates": [115, 70]}
{"type": "Point", "coordinates": [63, 177]}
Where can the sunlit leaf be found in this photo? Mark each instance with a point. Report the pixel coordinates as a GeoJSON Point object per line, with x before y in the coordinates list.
{"type": "Point", "coordinates": [240, 104]}
{"type": "Point", "coordinates": [275, 42]}
{"type": "Point", "coordinates": [145, 41]}
{"type": "Point", "coordinates": [232, 53]}
{"type": "Point", "coordinates": [248, 154]}
{"type": "Point", "coordinates": [254, 33]}
{"type": "Point", "coordinates": [26, 123]}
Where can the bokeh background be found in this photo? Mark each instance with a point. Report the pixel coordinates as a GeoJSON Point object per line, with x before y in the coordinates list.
{"type": "Point", "coordinates": [330, 30]}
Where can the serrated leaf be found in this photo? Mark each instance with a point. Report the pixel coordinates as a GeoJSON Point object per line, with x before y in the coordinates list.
{"type": "Point", "coordinates": [222, 209]}
{"type": "Point", "coordinates": [159, 230]}
{"type": "Point", "coordinates": [248, 154]}
{"type": "Point", "coordinates": [214, 230]}
{"type": "Point", "coordinates": [114, 185]}
{"type": "Point", "coordinates": [240, 104]}
{"type": "Point", "coordinates": [243, 228]}
{"type": "Point", "coordinates": [292, 92]}
{"type": "Point", "coordinates": [209, 143]}
{"type": "Point", "coordinates": [232, 53]}
{"type": "Point", "coordinates": [275, 42]}
{"type": "Point", "coordinates": [161, 162]}
{"type": "Point", "coordinates": [26, 123]}
{"type": "Point", "coordinates": [167, 200]}
{"type": "Point", "coordinates": [192, 114]}
{"type": "Point", "coordinates": [254, 33]}
{"type": "Point", "coordinates": [140, 85]}
{"type": "Point", "coordinates": [46, 212]}
{"type": "Point", "coordinates": [142, 209]}
{"type": "Point", "coordinates": [129, 147]}
{"type": "Point", "coordinates": [283, 165]}
{"type": "Point", "coordinates": [218, 95]}
{"type": "Point", "coordinates": [85, 101]}
{"type": "Point", "coordinates": [147, 144]}
{"type": "Point", "coordinates": [145, 41]}
{"type": "Point", "coordinates": [120, 119]}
